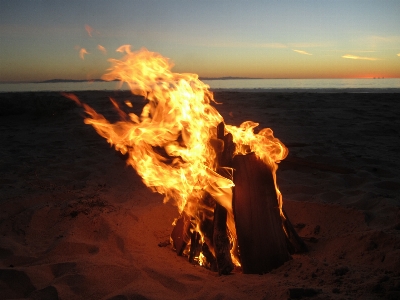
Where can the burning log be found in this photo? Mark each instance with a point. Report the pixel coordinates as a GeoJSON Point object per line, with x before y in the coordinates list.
{"type": "Point", "coordinates": [265, 235]}
{"type": "Point", "coordinates": [221, 240]}
{"type": "Point", "coordinates": [259, 228]}
{"type": "Point", "coordinates": [217, 234]}
{"type": "Point", "coordinates": [195, 247]}
{"type": "Point", "coordinates": [181, 233]}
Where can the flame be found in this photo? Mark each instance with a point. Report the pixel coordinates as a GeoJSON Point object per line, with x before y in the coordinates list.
{"type": "Point", "coordinates": [72, 97]}
{"type": "Point", "coordinates": [173, 144]}
{"type": "Point", "coordinates": [128, 103]}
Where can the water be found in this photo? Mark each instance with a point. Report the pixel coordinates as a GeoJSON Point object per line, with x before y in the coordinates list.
{"type": "Point", "coordinates": [281, 85]}
{"type": "Point", "coordinates": [305, 84]}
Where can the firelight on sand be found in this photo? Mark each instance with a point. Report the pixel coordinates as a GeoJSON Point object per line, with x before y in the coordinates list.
{"type": "Point", "coordinates": [173, 144]}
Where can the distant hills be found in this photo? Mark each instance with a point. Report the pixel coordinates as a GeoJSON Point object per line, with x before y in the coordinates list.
{"type": "Point", "coordinates": [101, 80]}
{"type": "Point", "coordinates": [226, 78]}
{"type": "Point", "coordinates": [69, 80]}
{"type": "Point", "coordinates": [57, 80]}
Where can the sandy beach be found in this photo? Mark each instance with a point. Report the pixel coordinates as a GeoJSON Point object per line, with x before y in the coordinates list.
{"type": "Point", "coordinates": [77, 223]}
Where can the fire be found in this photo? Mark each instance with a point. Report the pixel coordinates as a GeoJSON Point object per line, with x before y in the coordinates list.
{"type": "Point", "coordinates": [173, 144]}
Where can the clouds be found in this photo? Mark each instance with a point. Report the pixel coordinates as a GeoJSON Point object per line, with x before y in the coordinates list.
{"type": "Point", "coordinates": [360, 57]}
{"type": "Point", "coordinates": [82, 53]}
{"type": "Point", "coordinates": [102, 49]}
{"type": "Point", "coordinates": [302, 52]}
{"type": "Point", "coordinates": [89, 30]}
{"type": "Point", "coordinates": [206, 37]}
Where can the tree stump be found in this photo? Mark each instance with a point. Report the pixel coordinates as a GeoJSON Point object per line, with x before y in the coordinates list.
{"type": "Point", "coordinates": [261, 237]}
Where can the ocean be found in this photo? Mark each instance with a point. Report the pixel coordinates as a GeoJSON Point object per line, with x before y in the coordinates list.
{"type": "Point", "coordinates": [278, 85]}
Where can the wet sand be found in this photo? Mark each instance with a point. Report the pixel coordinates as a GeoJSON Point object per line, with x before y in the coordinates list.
{"type": "Point", "coordinates": [77, 223]}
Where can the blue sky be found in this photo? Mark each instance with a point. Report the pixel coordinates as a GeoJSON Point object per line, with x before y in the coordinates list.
{"type": "Point", "coordinates": [42, 40]}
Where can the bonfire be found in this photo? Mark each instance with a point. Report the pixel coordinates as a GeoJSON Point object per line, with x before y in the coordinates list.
{"type": "Point", "coordinates": [222, 178]}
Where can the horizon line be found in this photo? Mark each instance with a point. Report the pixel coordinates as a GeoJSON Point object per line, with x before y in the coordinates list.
{"type": "Point", "coordinates": [56, 80]}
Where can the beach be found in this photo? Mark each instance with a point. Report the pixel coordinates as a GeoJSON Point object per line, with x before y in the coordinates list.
{"type": "Point", "coordinates": [77, 223]}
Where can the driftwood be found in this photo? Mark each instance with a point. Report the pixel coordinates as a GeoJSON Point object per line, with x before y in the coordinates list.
{"type": "Point", "coordinates": [261, 238]}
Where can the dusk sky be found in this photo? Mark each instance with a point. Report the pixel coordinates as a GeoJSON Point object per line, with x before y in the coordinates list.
{"type": "Point", "coordinates": [41, 40]}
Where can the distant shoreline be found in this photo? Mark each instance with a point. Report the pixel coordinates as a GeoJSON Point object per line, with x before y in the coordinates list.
{"type": "Point", "coordinates": [244, 90]}
{"type": "Point", "coordinates": [56, 80]}
{"type": "Point", "coordinates": [226, 84]}
{"type": "Point", "coordinates": [101, 80]}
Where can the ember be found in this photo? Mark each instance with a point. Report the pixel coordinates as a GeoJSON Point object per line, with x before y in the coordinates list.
{"type": "Point", "coordinates": [221, 177]}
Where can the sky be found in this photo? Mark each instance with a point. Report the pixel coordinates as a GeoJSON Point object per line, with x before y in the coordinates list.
{"type": "Point", "coordinates": [48, 39]}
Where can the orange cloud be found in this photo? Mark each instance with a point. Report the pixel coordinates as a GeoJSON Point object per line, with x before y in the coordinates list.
{"type": "Point", "coordinates": [359, 57]}
{"type": "Point", "coordinates": [89, 29]}
{"type": "Point", "coordinates": [302, 52]}
{"type": "Point", "coordinates": [102, 49]}
{"type": "Point", "coordinates": [82, 53]}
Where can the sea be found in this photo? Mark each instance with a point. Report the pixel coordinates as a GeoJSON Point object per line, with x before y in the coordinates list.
{"type": "Point", "coordinates": [250, 85]}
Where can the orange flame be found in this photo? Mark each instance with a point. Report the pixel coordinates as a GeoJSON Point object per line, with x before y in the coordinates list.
{"type": "Point", "coordinates": [173, 143]}
{"type": "Point", "coordinates": [72, 97]}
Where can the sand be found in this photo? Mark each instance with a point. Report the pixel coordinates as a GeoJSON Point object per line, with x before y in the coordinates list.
{"type": "Point", "coordinates": [77, 223]}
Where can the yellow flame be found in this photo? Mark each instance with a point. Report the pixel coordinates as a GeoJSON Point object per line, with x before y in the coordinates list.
{"type": "Point", "coordinates": [172, 144]}
{"type": "Point", "coordinates": [178, 119]}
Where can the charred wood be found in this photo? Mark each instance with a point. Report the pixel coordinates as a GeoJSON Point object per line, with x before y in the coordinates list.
{"type": "Point", "coordinates": [181, 233]}
{"type": "Point", "coordinates": [210, 261]}
{"type": "Point", "coordinates": [221, 241]}
{"type": "Point", "coordinates": [295, 242]}
{"type": "Point", "coordinates": [195, 247]}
